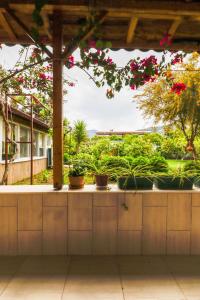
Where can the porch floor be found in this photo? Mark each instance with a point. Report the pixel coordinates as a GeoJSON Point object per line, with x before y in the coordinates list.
{"type": "Point", "coordinates": [102, 278]}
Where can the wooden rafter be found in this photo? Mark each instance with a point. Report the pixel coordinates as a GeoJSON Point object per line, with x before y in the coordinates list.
{"type": "Point", "coordinates": [131, 29]}
{"type": "Point", "coordinates": [45, 18]}
{"type": "Point", "coordinates": [72, 47]}
{"type": "Point", "coordinates": [174, 27]}
{"type": "Point", "coordinates": [27, 31]}
{"type": "Point", "coordinates": [8, 28]}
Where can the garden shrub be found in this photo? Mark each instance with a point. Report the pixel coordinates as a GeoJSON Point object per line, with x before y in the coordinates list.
{"type": "Point", "coordinates": [158, 164]}
{"type": "Point", "coordinates": [67, 159]}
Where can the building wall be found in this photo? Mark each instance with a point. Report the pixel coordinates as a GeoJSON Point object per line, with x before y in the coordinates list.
{"type": "Point", "coordinates": [86, 222]}
{"type": "Point", "coordinates": [21, 170]}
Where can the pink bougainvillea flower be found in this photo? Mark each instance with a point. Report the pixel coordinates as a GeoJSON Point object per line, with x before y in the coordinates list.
{"type": "Point", "coordinates": [177, 59]}
{"type": "Point", "coordinates": [70, 61]}
{"type": "Point", "coordinates": [132, 86]}
{"type": "Point", "coordinates": [20, 79]}
{"type": "Point", "coordinates": [166, 40]}
{"type": "Point", "coordinates": [134, 66]}
{"type": "Point", "coordinates": [109, 61]}
{"type": "Point", "coordinates": [92, 44]}
{"type": "Point", "coordinates": [71, 84]}
{"type": "Point", "coordinates": [178, 88]}
{"type": "Point", "coordinates": [42, 76]}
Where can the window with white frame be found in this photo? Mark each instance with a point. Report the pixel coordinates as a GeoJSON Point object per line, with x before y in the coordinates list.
{"type": "Point", "coordinates": [35, 143]}
{"type": "Point", "coordinates": [24, 139]}
{"type": "Point", "coordinates": [41, 144]}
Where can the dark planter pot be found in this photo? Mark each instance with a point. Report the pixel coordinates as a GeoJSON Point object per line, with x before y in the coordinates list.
{"type": "Point", "coordinates": [133, 183]}
{"type": "Point", "coordinates": [76, 182]}
{"type": "Point", "coordinates": [101, 182]}
{"type": "Point", "coordinates": [171, 183]}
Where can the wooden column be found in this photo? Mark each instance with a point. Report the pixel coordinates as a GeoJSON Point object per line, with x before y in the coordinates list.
{"type": "Point", "coordinates": [57, 102]}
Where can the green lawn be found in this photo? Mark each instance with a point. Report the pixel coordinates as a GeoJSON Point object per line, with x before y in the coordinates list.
{"type": "Point", "coordinates": [174, 164]}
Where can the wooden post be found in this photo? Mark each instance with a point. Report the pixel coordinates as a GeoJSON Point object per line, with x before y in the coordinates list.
{"type": "Point", "coordinates": [57, 102]}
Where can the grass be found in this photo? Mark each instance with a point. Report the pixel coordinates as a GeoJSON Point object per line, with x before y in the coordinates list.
{"type": "Point", "coordinates": [46, 176]}
{"type": "Point", "coordinates": [175, 164]}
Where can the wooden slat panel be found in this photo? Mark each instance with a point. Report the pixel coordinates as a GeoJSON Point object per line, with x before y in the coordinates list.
{"type": "Point", "coordinates": [30, 242]}
{"type": "Point", "coordinates": [178, 242]}
{"type": "Point", "coordinates": [195, 231]}
{"type": "Point", "coordinates": [30, 212]}
{"type": "Point", "coordinates": [80, 211]}
{"type": "Point", "coordinates": [154, 199]}
{"type": "Point", "coordinates": [8, 200]}
{"type": "Point", "coordinates": [80, 242]}
{"type": "Point", "coordinates": [55, 230]}
{"type": "Point", "coordinates": [105, 230]}
{"type": "Point", "coordinates": [196, 199]}
{"type": "Point", "coordinates": [179, 211]}
{"type": "Point", "coordinates": [129, 242]}
{"type": "Point", "coordinates": [154, 230]}
{"type": "Point", "coordinates": [105, 199]}
{"type": "Point", "coordinates": [8, 231]}
{"type": "Point", "coordinates": [130, 211]}
{"type": "Point", "coordinates": [55, 199]}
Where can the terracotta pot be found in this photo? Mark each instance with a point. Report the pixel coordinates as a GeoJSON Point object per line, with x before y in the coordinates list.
{"type": "Point", "coordinates": [101, 181]}
{"type": "Point", "coordinates": [76, 182]}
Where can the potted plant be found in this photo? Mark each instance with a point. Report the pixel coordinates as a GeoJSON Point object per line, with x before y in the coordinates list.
{"type": "Point", "coordinates": [76, 176]}
{"type": "Point", "coordinates": [139, 177]}
{"type": "Point", "coordinates": [101, 173]}
{"type": "Point", "coordinates": [193, 167]}
{"type": "Point", "coordinates": [175, 180]}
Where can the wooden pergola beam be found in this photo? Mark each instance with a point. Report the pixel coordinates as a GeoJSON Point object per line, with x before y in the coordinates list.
{"type": "Point", "coordinates": [8, 28]}
{"type": "Point", "coordinates": [57, 101]}
{"type": "Point", "coordinates": [45, 18]}
{"type": "Point", "coordinates": [27, 31]}
{"type": "Point", "coordinates": [174, 26]}
{"type": "Point", "coordinates": [131, 29]}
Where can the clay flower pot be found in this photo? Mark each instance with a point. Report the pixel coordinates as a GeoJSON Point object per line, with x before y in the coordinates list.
{"type": "Point", "coordinates": [101, 182]}
{"type": "Point", "coordinates": [76, 182]}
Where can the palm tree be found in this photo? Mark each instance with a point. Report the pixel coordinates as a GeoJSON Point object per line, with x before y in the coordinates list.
{"type": "Point", "coordinates": [79, 133]}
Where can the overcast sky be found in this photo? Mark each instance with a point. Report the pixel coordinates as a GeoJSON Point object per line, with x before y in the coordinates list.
{"type": "Point", "coordinates": [87, 102]}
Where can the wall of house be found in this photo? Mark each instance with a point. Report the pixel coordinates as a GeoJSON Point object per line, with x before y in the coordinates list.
{"type": "Point", "coordinates": [20, 170]}
{"type": "Point", "coordinates": [39, 221]}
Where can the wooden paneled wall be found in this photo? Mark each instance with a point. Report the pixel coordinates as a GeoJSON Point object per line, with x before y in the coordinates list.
{"type": "Point", "coordinates": [100, 223]}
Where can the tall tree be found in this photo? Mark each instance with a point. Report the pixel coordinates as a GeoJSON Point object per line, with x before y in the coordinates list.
{"type": "Point", "coordinates": [179, 104]}
{"type": "Point", "coordinates": [79, 133]}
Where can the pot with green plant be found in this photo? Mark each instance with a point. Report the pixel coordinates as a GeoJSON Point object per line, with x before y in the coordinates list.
{"type": "Point", "coordinates": [101, 173]}
{"type": "Point", "coordinates": [135, 177]}
{"type": "Point", "coordinates": [193, 167]}
{"type": "Point", "coordinates": [76, 176]}
{"type": "Point", "coordinates": [178, 179]}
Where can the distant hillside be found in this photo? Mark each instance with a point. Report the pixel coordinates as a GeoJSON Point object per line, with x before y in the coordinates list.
{"type": "Point", "coordinates": [158, 129]}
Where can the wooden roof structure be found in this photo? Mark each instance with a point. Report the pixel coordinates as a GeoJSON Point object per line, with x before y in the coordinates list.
{"type": "Point", "coordinates": [127, 24]}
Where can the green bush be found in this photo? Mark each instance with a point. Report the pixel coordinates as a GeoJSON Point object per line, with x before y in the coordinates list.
{"type": "Point", "coordinates": [158, 164]}
{"type": "Point", "coordinates": [193, 166]}
{"type": "Point", "coordinates": [67, 159]}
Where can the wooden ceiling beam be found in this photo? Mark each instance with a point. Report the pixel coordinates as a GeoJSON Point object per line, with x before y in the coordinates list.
{"type": "Point", "coordinates": [8, 28]}
{"type": "Point", "coordinates": [174, 26]}
{"type": "Point", "coordinates": [27, 31]}
{"type": "Point", "coordinates": [131, 29]}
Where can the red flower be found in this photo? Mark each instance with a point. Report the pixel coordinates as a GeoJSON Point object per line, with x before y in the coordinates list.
{"type": "Point", "coordinates": [71, 84]}
{"type": "Point", "coordinates": [178, 88]}
{"type": "Point", "coordinates": [42, 76]}
{"type": "Point", "coordinates": [92, 44]}
{"type": "Point", "coordinates": [166, 40]}
{"type": "Point", "coordinates": [134, 66]}
{"type": "Point", "coordinates": [20, 79]}
{"type": "Point", "coordinates": [70, 61]}
{"type": "Point", "coordinates": [109, 61]}
{"type": "Point", "coordinates": [177, 59]}
{"type": "Point", "coordinates": [132, 86]}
